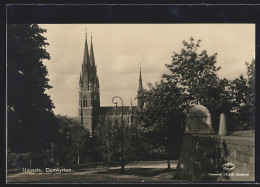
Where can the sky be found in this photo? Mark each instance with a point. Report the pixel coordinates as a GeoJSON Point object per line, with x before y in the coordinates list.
{"type": "Point", "coordinates": [120, 49]}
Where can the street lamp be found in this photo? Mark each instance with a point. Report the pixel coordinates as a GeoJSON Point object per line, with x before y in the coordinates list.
{"type": "Point", "coordinates": [123, 129]}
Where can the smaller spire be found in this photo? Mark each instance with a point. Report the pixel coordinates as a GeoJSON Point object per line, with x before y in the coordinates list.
{"type": "Point", "coordinates": [140, 102]}
{"type": "Point", "coordinates": [140, 79]}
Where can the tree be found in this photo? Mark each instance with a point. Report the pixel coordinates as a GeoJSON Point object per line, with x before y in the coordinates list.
{"type": "Point", "coordinates": [243, 94]}
{"type": "Point", "coordinates": [72, 145]}
{"type": "Point", "coordinates": [137, 145]}
{"type": "Point", "coordinates": [31, 125]}
{"type": "Point", "coordinates": [240, 110]}
{"type": "Point", "coordinates": [251, 95]}
{"type": "Point", "coordinates": [163, 117]}
{"type": "Point", "coordinates": [108, 136]}
{"type": "Point", "coordinates": [196, 73]}
{"type": "Point", "coordinates": [108, 140]}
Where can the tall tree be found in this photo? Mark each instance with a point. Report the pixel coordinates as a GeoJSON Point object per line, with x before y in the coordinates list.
{"type": "Point", "coordinates": [30, 116]}
{"type": "Point", "coordinates": [108, 138]}
{"type": "Point", "coordinates": [243, 94]}
{"type": "Point", "coordinates": [251, 95]}
{"type": "Point", "coordinates": [196, 73]}
{"type": "Point", "coordinates": [163, 117]}
{"type": "Point", "coordinates": [240, 110]}
{"type": "Point", "coordinates": [72, 144]}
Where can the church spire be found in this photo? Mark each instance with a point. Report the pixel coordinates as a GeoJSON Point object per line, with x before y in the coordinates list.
{"type": "Point", "coordinates": [86, 53]}
{"type": "Point", "coordinates": [140, 101]}
{"type": "Point", "coordinates": [94, 81]}
{"type": "Point", "coordinates": [92, 58]}
{"type": "Point", "coordinates": [89, 96]}
{"type": "Point", "coordinates": [140, 88]}
{"type": "Point", "coordinates": [85, 72]}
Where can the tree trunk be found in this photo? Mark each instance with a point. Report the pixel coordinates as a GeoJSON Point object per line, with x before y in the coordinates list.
{"type": "Point", "coordinates": [169, 164]}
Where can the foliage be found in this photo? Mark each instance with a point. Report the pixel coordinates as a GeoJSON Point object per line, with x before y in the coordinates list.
{"type": "Point", "coordinates": [163, 116]}
{"type": "Point", "coordinates": [27, 160]}
{"type": "Point", "coordinates": [11, 159]}
{"type": "Point", "coordinates": [192, 70]}
{"type": "Point", "coordinates": [108, 139]}
{"type": "Point", "coordinates": [139, 147]}
{"type": "Point", "coordinates": [196, 73]}
{"type": "Point", "coordinates": [240, 110]}
{"type": "Point", "coordinates": [72, 141]}
{"type": "Point", "coordinates": [31, 125]}
{"type": "Point", "coordinates": [243, 91]}
{"type": "Point", "coordinates": [251, 94]}
{"type": "Point", "coordinates": [193, 80]}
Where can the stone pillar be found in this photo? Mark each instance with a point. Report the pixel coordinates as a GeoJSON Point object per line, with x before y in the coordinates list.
{"type": "Point", "coordinates": [222, 125]}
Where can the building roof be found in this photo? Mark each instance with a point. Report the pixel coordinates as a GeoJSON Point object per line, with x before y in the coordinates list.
{"type": "Point", "coordinates": [112, 110]}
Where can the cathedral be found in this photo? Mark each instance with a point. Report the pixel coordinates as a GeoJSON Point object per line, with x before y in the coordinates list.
{"type": "Point", "coordinates": [89, 110]}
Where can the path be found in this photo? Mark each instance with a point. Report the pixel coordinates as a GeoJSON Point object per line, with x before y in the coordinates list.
{"type": "Point", "coordinates": [144, 171]}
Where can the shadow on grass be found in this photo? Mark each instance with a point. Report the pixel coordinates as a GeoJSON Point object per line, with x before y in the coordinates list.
{"type": "Point", "coordinates": [140, 172]}
{"type": "Point", "coordinates": [107, 175]}
{"type": "Point", "coordinates": [97, 164]}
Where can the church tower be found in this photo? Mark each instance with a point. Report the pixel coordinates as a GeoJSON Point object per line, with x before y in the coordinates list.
{"type": "Point", "coordinates": [140, 102]}
{"type": "Point", "coordinates": [89, 96]}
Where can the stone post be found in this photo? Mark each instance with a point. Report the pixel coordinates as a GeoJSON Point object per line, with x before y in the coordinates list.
{"type": "Point", "coordinates": [192, 155]}
{"type": "Point", "coordinates": [222, 125]}
{"type": "Point", "coordinates": [198, 120]}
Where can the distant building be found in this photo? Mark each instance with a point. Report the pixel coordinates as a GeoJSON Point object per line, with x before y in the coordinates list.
{"type": "Point", "coordinates": [89, 110]}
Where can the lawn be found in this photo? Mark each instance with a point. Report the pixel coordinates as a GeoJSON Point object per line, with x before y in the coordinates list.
{"type": "Point", "coordinates": [135, 172]}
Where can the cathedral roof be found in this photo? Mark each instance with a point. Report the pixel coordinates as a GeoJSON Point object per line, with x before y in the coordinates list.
{"type": "Point", "coordinates": [112, 110]}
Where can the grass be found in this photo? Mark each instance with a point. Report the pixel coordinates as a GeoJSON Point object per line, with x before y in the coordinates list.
{"type": "Point", "coordinates": [135, 172]}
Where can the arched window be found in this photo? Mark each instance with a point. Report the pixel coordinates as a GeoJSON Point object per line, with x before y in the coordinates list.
{"type": "Point", "coordinates": [85, 102]}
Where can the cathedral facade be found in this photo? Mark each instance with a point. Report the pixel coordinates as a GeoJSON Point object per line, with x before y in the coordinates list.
{"type": "Point", "coordinates": [89, 110]}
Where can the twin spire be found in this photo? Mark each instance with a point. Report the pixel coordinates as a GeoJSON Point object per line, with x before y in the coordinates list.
{"type": "Point", "coordinates": [88, 76]}
{"type": "Point", "coordinates": [88, 55]}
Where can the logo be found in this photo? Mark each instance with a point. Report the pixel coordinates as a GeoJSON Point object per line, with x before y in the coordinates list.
{"type": "Point", "coordinates": [229, 166]}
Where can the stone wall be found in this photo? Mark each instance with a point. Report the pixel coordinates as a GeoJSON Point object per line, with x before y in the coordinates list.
{"type": "Point", "coordinates": [203, 156]}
